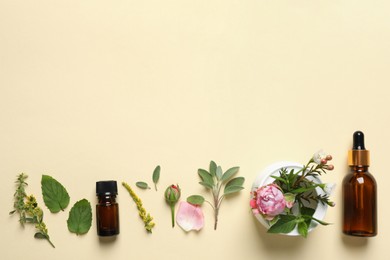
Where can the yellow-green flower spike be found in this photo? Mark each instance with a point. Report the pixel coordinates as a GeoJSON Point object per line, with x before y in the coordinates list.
{"type": "Point", "coordinates": [146, 218]}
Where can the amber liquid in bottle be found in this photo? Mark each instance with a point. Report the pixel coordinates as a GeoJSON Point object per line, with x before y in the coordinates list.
{"type": "Point", "coordinates": [359, 193]}
{"type": "Point", "coordinates": [107, 210]}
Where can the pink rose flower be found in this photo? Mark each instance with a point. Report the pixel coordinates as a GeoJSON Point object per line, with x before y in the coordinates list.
{"type": "Point", "coordinates": [269, 201]}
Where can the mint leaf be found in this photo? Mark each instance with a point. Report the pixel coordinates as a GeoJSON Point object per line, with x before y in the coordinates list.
{"type": "Point", "coordinates": [303, 229]}
{"type": "Point", "coordinates": [55, 196]}
{"type": "Point", "coordinates": [285, 224]}
{"type": "Point", "coordinates": [80, 217]}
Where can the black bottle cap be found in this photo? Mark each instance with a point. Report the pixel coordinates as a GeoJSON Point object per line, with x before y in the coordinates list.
{"type": "Point", "coordinates": [106, 187]}
{"type": "Point", "coordinates": [358, 156]}
{"type": "Point", "coordinates": [358, 141]}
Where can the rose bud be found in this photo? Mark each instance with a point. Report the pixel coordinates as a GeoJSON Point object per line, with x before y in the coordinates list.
{"type": "Point", "coordinates": [172, 196]}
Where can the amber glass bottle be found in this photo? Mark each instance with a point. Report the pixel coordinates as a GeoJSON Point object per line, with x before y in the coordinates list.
{"type": "Point", "coordinates": [359, 192]}
{"type": "Point", "coordinates": [107, 211]}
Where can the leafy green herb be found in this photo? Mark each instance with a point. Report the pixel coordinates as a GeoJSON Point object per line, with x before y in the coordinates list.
{"type": "Point", "coordinates": [142, 185]}
{"type": "Point", "coordinates": [55, 196]}
{"type": "Point", "coordinates": [285, 224]}
{"type": "Point", "coordinates": [28, 210]}
{"type": "Point", "coordinates": [80, 217]}
{"type": "Point", "coordinates": [156, 176]}
{"type": "Point", "coordinates": [214, 180]}
{"type": "Point", "coordinates": [146, 218]}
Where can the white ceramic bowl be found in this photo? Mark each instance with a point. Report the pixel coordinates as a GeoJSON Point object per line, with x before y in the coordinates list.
{"type": "Point", "coordinates": [264, 178]}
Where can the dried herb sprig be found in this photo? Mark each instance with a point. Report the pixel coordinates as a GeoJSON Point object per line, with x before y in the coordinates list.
{"type": "Point", "coordinates": [28, 210]}
{"type": "Point", "coordinates": [146, 218]}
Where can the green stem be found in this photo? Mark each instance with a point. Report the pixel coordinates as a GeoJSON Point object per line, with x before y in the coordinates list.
{"type": "Point", "coordinates": [48, 239]}
{"type": "Point", "coordinates": [173, 214]}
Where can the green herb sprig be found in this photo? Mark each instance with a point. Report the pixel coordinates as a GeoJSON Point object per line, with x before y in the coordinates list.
{"type": "Point", "coordinates": [28, 210]}
{"type": "Point", "coordinates": [214, 180]}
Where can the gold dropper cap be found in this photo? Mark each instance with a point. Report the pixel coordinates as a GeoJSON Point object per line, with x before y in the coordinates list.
{"type": "Point", "coordinates": [358, 156]}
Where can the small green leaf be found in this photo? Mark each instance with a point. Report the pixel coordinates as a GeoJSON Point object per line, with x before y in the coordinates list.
{"type": "Point", "coordinates": [238, 181]}
{"type": "Point", "coordinates": [156, 176]}
{"type": "Point", "coordinates": [213, 168]}
{"type": "Point", "coordinates": [232, 189]}
{"type": "Point", "coordinates": [195, 199]}
{"type": "Point", "coordinates": [80, 217]}
{"type": "Point", "coordinates": [285, 224]}
{"type": "Point", "coordinates": [279, 179]}
{"type": "Point", "coordinates": [205, 184]}
{"type": "Point", "coordinates": [218, 173]}
{"type": "Point", "coordinates": [142, 185]}
{"type": "Point", "coordinates": [206, 177]}
{"type": "Point", "coordinates": [39, 235]}
{"type": "Point", "coordinates": [229, 173]}
{"type": "Point", "coordinates": [303, 229]}
{"type": "Point", "coordinates": [55, 196]}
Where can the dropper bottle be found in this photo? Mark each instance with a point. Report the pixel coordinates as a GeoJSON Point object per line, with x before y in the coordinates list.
{"type": "Point", "coordinates": [359, 192]}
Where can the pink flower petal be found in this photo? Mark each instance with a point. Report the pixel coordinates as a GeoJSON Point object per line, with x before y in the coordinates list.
{"type": "Point", "coordinates": [189, 217]}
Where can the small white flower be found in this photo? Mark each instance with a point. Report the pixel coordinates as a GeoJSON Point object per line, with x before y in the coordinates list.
{"type": "Point", "coordinates": [319, 156]}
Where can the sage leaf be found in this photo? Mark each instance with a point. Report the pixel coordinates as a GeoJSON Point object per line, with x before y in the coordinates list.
{"type": "Point", "coordinates": [55, 196]}
{"type": "Point", "coordinates": [238, 181]}
{"type": "Point", "coordinates": [142, 185]}
{"type": "Point", "coordinates": [206, 185]}
{"type": "Point", "coordinates": [195, 199]}
{"type": "Point", "coordinates": [213, 168]}
{"type": "Point", "coordinates": [206, 177]}
{"type": "Point", "coordinates": [218, 173]}
{"type": "Point", "coordinates": [156, 176]}
{"type": "Point", "coordinates": [285, 224]}
{"type": "Point", "coordinates": [229, 173]}
{"type": "Point", "coordinates": [80, 217]}
{"type": "Point", "coordinates": [232, 189]}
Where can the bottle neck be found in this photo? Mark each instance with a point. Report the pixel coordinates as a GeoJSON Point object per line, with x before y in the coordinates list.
{"type": "Point", "coordinates": [106, 198]}
{"type": "Point", "coordinates": [359, 169]}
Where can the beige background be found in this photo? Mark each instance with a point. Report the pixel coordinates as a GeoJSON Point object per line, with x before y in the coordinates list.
{"type": "Point", "coordinates": [95, 90]}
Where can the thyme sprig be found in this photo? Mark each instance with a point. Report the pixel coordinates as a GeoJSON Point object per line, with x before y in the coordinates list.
{"type": "Point", "coordinates": [146, 218]}
{"type": "Point", "coordinates": [28, 210]}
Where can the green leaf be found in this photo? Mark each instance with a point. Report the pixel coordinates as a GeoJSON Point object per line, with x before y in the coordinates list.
{"type": "Point", "coordinates": [195, 199]}
{"type": "Point", "coordinates": [213, 168]}
{"type": "Point", "coordinates": [55, 196]}
{"type": "Point", "coordinates": [80, 217]}
{"type": "Point", "coordinates": [279, 179]}
{"type": "Point", "coordinates": [142, 185]}
{"type": "Point", "coordinates": [205, 184]}
{"type": "Point", "coordinates": [229, 173]}
{"type": "Point", "coordinates": [303, 229]}
{"type": "Point", "coordinates": [238, 181]}
{"type": "Point", "coordinates": [206, 177]}
{"type": "Point", "coordinates": [285, 224]}
{"type": "Point", "coordinates": [156, 176]}
{"type": "Point", "coordinates": [218, 173]}
{"type": "Point", "coordinates": [39, 235]}
{"type": "Point", "coordinates": [232, 189]}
